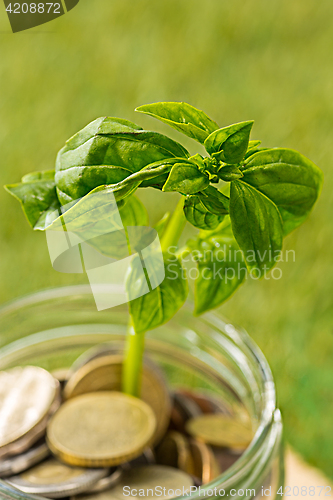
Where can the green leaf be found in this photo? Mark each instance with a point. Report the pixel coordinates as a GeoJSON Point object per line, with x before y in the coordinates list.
{"type": "Point", "coordinates": [159, 305]}
{"type": "Point", "coordinates": [101, 126]}
{"type": "Point", "coordinates": [115, 244]}
{"type": "Point", "coordinates": [99, 206]}
{"type": "Point", "coordinates": [183, 117]}
{"type": "Point", "coordinates": [44, 175]}
{"type": "Point", "coordinates": [221, 269]}
{"type": "Point", "coordinates": [287, 178]}
{"type": "Point", "coordinates": [230, 173]}
{"type": "Point", "coordinates": [198, 215]}
{"type": "Point", "coordinates": [106, 152]}
{"type": "Point", "coordinates": [79, 181]}
{"type": "Point", "coordinates": [37, 195]}
{"type": "Point", "coordinates": [229, 144]}
{"type": "Point", "coordinates": [252, 148]}
{"type": "Point", "coordinates": [159, 181]}
{"type": "Point", "coordinates": [257, 227]}
{"type": "Point", "coordinates": [186, 178]}
{"type": "Point", "coordinates": [253, 144]}
{"type": "Point", "coordinates": [214, 201]}
{"type": "Point", "coordinates": [134, 213]}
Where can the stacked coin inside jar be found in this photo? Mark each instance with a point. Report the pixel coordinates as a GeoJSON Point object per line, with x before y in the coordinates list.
{"type": "Point", "coordinates": [75, 434]}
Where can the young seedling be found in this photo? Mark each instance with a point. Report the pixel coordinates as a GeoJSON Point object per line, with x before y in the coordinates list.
{"type": "Point", "coordinates": [241, 196]}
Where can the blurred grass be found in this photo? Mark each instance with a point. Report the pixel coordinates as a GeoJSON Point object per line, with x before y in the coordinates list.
{"type": "Point", "coordinates": [268, 61]}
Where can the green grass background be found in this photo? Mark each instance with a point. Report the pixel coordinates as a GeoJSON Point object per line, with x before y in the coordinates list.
{"type": "Point", "coordinates": [270, 61]}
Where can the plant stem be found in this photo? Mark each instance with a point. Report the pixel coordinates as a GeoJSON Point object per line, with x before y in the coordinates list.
{"type": "Point", "coordinates": [132, 367]}
{"type": "Point", "coordinates": [175, 227]}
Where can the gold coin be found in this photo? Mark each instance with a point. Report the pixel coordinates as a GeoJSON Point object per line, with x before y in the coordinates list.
{"type": "Point", "coordinates": [174, 450]}
{"type": "Point", "coordinates": [101, 429]}
{"type": "Point", "coordinates": [104, 373]}
{"type": "Point", "coordinates": [94, 352]}
{"type": "Point", "coordinates": [153, 481]}
{"type": "Point", "coordinates": [27, 395]}
{"type": "Point", "coordinates": [219, 430]}
{"type": "Point", "coordinates": [205, 465]}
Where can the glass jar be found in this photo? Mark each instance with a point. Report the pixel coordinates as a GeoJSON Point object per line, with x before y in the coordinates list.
{"type": "Point", "coordinates": [52, 328]}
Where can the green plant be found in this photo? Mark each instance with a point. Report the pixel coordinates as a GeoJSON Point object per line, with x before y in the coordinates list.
{"type": "Point", "coordinates": [241, 196]}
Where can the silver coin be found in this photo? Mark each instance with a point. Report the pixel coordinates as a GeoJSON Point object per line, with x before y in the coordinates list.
{"type": "Point", "coordinates": [24, 443]}
{"type": "Point", "coordinates": [20, 463]}
{"type": "Point", "coordinates": [26, 397]}
{"type": "Point", "coordinates": [107, 482]}
{"type": "Point", "coordinates": [155, 480]}
{"type": "Point", "coordinates": [54, 479]}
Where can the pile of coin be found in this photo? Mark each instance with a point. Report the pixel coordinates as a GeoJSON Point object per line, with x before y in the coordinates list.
{"type": "Point", "coordinates": [74, 434]}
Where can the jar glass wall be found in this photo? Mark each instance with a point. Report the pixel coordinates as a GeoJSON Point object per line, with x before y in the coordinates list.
{"type": "Point", "coordinates": [52, 328]}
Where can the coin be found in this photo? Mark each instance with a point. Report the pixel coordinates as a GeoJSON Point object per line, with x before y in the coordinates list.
{"type": "Point", "coordinates": [174, 450]}
{"type": "Point", "coordinates": [205, 465]}
{"type": "Point", "coordinates": [186, 405]}
{"type": "Point", "coordinates": [108, 481]}
{"type": "Point", "coordinates": [23, 444]}
{"type": "Point", "coordinates": [104, 373]}
{"type": "Point", "coordinates": [224, 457]}
{"type": "Point", "coordinates": [208, 403]}
{"type": "Point", "coordinates": [62, 375]}
{"type": "Point", "coordinates": [177, 420]}
{"type": "Point", "coordinates": [19, 463]}
{"type": "Point", "coordinates": [153, 481]}
{"type": "Point", "coordinates": [56, 480]}
{"type": "Point", "coordinates": [147, 458]}
{"type": "Point", "coordinates": [98, 374]}
{"type": "Point", "coordinates": [27, 395]}
{"type": "Point", "coordinates": [183, 409]}
{"type": "Point", "coordinates": [101, 429]}
{"type": "Point", "coordinates": [220, 430]}
{"type": "Point", "coordinates": [94, 352]}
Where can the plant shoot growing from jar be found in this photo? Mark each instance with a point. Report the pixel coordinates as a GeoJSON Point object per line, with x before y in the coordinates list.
{"type": "Point", "coordinates": [240, 196]}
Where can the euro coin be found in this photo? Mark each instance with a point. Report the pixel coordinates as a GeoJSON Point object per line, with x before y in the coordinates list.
{"type": "Point", "coordinates": [108, 481]}
{"type": "Point", "coordinates": [208, 403]}
{"type": "Point", "coordinates": [19, 463]}
{"type": "Point", "coordinates": [183, 409]}
{"type": "Point", "coordinates": [26, 398]}
{"type": "Point", "coordinates": [205, 465]}
{"type": "Point", "coordinates": [174, 450]}
{"type": "Point", "coordinates": [219, 430]}
{"type": "Point", "coordinates": [94, 352]}
{"type": "Point", "coordinates": [101, 429]}
{"type": "Point", "coordinates": [99, 374]}
{"type": "Point", "coordinates": [147, 458]}
{"type": "Point", "coordinates": [54, 479]}
{"type": "Point", "coordinates": [148, 482]}
{"type": "Point", "coordinates": [224, 457]}
{"type": "Point", "coordinates": [24, 443]}
{"type": "Point", "coordinates": [186, 405]}
{"type": "Point", "coordinates": [104, 373]}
